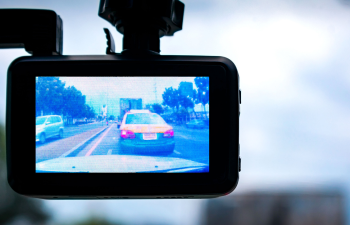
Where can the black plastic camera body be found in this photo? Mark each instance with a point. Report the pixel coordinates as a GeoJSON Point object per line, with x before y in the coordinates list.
{"type": "Point", "coordinates": [139, 59]}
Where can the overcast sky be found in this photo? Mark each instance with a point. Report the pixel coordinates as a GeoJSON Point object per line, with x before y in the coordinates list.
{"type": "Point", "coordinates": [294, 63]}
{"type": "Point", "coordinates": [101, 91]}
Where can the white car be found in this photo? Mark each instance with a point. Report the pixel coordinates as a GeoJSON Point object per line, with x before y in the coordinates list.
{"type": "Point", "coordinates": [48, 126]}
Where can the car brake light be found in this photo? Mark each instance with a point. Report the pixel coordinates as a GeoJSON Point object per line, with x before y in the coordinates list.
{"type": "Point", "coordinates": [169, 133]}
{"type": "Point", "coordinates": [127, 134]}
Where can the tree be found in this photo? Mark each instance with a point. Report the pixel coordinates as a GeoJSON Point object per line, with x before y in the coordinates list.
{"type": "Point", "coordinates": [202, 94]}
{"type": "Point", "coordinates": [171, 98]}
{"type": "Point", "coordinates": [186, 102]}
{"type": "Point", "coordinates": [111, 117]}
{"type": "Point", "coordinates": [74, 102]}
{"type": "Point", "coordinates": [52, 97]}
{"type": "Point", "coordinates": [89, 112]}
{"type": "Point", "coordinates": [49, 95]}
{"type": "Point", "coordinates": [157, 108]}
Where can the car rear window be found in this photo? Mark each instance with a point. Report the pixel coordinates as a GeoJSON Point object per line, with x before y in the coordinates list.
{"type": "Point", "coordinates": [57, 119]}
{"type": "Point", "coordinates": [40, 120]}
{"type": "Point", "coordinates": [144, 118]}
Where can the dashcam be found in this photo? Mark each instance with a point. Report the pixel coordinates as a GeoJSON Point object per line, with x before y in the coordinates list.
{"type": "Point", "coordinates": [135, 124]}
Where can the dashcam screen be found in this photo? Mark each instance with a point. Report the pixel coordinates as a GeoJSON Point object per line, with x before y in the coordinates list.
{"type": "Point", "coordinates": [122, 124]}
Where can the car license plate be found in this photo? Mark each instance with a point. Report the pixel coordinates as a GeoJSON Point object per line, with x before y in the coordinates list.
{"type": "Point", "coordinates": [149, 136]}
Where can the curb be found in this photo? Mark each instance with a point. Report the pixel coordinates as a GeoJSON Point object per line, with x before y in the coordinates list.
{"type": "Point", "coordinates": [75, 148]}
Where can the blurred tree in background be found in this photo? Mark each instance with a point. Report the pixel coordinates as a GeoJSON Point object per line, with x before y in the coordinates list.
{"type": "Point", "coordinates": [96, 221]}
{"type": "Point", "coordinates": [16, 209]}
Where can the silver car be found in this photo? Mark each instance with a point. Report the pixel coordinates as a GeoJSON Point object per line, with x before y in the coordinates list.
{"type": "Point", "coordinates": [48, 126]}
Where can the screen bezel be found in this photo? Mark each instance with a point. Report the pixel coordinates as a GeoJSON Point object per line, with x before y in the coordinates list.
{"type": "Point", "coordinates": [223, 166]}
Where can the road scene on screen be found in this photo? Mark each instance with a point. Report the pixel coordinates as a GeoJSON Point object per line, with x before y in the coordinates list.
{"type": "Point", "coordinates": [122, 124]}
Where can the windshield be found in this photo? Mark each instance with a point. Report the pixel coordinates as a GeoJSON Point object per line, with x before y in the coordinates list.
{"type": "Point", "coordinates": [40, 120]}
{"type": "Point", "coordinates": [144, 118]}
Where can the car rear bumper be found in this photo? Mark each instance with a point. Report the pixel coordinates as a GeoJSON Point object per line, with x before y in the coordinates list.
{"type": "Point", "coordinates": [150, 147]}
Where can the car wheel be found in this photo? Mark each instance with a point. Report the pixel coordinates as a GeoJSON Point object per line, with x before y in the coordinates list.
{"type": "Point", "coordinates": [42, 138]}
{"type": "Point", "coordinates": [61, 133]}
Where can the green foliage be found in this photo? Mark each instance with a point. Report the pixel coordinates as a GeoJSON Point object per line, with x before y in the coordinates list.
{"type": "Point", "coordinates": [49, 95]}
{"type": "Point", "coordinates": [89, 112]}
{"type": "Point", "coordinates": [157, 108]}
{"type": "Point", "coordinates": [74, 102]}
{"type": "Point", "coordinates": [186, 102]}
{"type": "Point", "coordinates": [96, 221]}
{"type": "Point", "coordinates": [52, 97]}
{"type": "Point", "coordinates": [202, 95]}
{"type": "Point", "coordinates": [111, 117]}
{"type": "Point", "coordinates": [171, 98]}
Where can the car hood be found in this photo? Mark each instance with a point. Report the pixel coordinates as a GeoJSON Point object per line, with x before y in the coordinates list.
{"type": "Point", "coordinates": [119, 164]}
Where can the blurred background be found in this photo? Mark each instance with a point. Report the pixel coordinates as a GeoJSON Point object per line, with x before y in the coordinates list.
{"type": "Point", "coordinates": [294, 63]}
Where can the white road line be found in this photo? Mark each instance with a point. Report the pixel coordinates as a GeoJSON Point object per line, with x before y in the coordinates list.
{"type": "Point", "coordinates": [80, 144]}
{"type": "Point", "coordinates": [109, 152]}
{"type": "Point", "coordinates": [99, 141]}
{"type": "Point", "coordinates": [176, 152]}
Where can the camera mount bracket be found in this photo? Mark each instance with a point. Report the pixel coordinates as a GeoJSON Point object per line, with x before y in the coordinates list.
{"type": "Point", "coordinates": [143, 22]}
{"type": "Point", "coordinates": [41, 35]}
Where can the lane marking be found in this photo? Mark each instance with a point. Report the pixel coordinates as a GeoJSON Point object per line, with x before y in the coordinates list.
{"type": "Point", "coordinates": [109, 152]}
{"type": "Point", "coordinates": [81, 143]}
{"type": "Point", "coordinates": [98, 142]}
{"type": "Point", "coordinates": [176, 152]}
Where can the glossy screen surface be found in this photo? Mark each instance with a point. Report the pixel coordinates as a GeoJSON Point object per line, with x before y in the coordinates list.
{"type": "Point", "coordinates": [122, 124]}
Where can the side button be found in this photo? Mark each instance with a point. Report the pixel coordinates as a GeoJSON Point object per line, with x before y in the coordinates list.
{"type": "Point", "coordinates": [239, 166]}
{"type": "Point", "coordinates": [240, 97]}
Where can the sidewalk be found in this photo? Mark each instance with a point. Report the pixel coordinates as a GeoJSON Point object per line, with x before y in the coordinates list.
{"type": "Point", "coordinates": [59, 147]}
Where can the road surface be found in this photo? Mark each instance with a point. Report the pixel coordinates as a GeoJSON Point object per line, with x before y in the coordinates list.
{"type": "Point", "coordinates": [97, 139]}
